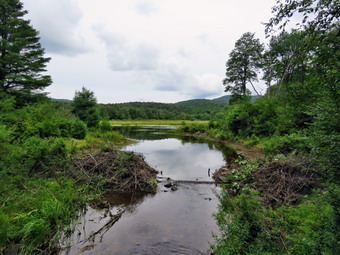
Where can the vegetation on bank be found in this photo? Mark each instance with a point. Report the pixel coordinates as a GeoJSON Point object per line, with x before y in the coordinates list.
{"type": "Point", "coordinates": [43, 184]}
{"type": "Point", "coordinates": [289, 202]}
{"type": "Point", "coordinates": [296, 123]}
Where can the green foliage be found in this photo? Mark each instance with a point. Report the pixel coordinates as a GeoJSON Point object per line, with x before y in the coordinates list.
{"type": "Point", "coordinates": [105, 126]}
{"type": "Point", "coordinates": [249, 228]}
{"type": "Point", "coordinates": [243, 64]}
{"type": "Point", "coordinates": [44, 155]}
{"type": "Point", "coordinates": [238, 119]}
{"type": "Point", "coordinates": [84, 106]}
{"type": "Point", "coordinates": [243, 227]}
{"type": "Point", "coordinates": [78, 129]}
{"type": "Point", "coordinates": [34, 209]}
{"type": "Point", "coordinates": [22, 58]}
{"type": "Point", "coordinates": [5, 224]}
{"type": "Point", "coordinates": [324, 15]}
{"type": "Point", "coordinates": [288, 144]}
{"type": "Point", "coordinates": [49, 128]}
{"type": "Point", "coordinates": [197, 109]}
{"type": "Point", "coordinates": [194, 127]}
{"type": "Point", "coordinates": [310, 227]}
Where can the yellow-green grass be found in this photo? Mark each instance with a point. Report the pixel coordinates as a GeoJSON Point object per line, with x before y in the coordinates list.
{"type": "Point", "coordinates": [156, 122]}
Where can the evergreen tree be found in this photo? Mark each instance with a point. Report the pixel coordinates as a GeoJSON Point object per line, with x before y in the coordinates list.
{"type": "Point", "coordinates": [243, 63]}
{"type": "Point", "coordinates": [22, 58]}
{"type": "Point", "coordinates": [84, 106]}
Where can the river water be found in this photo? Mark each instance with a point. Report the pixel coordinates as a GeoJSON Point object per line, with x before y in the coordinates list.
{"type": "Point", "coordinates": [167, 222]}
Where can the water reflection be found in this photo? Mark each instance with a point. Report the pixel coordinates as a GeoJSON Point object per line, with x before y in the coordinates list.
{"type": "Point", "coordinates": [168, 222]}
{"type": "Point", "coordinates": [180, 158]}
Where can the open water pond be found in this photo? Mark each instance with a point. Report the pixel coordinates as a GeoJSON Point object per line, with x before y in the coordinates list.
{"type": "Point", "coordinates": [167, 222]}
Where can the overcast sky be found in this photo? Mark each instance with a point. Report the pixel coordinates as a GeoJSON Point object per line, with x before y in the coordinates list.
{"type": "Point", "coordinates": [143, 50]}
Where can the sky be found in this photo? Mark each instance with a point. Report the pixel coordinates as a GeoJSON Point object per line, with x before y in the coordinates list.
{"type": "Point", "coordinates": [143, 50]}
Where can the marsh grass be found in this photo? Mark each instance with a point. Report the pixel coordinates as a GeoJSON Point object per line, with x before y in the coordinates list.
{"type": "Point", "coordinates": [35, 210]}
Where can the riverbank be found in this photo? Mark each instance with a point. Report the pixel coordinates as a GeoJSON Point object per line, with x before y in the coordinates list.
{"type": "Point", "coordinates": [277, 204]}
{"type": "Point", "coordinates": [175, 219]}
{"type": "Point", "coordinates": [36, 208]}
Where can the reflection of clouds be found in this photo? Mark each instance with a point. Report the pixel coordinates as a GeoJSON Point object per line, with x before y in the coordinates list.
{"type": "Point", "coordinates": [181, 221]}
{"type": "Point", "coordinates": [155, 145]}
{"type": "Point", "coordinates": [180, 161]}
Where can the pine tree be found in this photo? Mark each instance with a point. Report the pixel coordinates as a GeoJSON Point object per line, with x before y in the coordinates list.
{"type": "Point", "coordinates": [243, 63]}
{"type": "Point", "coordinates": [22, 58]}
{"type": "Point", "coordinates": [84, 106]}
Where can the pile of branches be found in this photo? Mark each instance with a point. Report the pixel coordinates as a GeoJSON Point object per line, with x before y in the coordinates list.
{"type": "Point", "coordinates": [284, 182]}
{"type": "Point", "coordinates": [123, 171]}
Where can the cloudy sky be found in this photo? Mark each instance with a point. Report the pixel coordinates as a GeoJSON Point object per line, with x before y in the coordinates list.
{"type": "Point", "coordinates": [143, 50]}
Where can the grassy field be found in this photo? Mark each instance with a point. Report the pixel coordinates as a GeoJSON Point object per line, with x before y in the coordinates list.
{"type": "Point", "coordinates": [155, 122]}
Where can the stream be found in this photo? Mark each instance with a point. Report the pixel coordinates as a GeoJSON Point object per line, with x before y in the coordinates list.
{"type": "Point", "coordinates": [167, 222]}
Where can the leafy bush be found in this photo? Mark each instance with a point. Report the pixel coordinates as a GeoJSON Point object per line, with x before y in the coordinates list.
{"type": "Point", "coordinates": [194, 127]}
{"type": "Point", "coordinates": [243, 226]}
{"type": "Point", "coordinates": [249, 228]}
{"type": "Point", "coordinates": [287, 144]}
{"type": "Point", "coordinates": [105, 126]}
{"type": "Point", "coordinates": [49, 128]}
{"type": "Point", "coordinates": [65, 127]}
{"type": "Point", "coordinates": [78, 129]}
{"type": "Point", "coordinates": [238, 119]}
{"type": "Point", "coordinates": [44, 155]}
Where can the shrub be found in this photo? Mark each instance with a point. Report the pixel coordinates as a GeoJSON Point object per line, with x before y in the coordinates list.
{"type": "Point", "coordinates": [78, 129]}
{"type": "Point", "coordinates": [65, 127]}
{"type": "Point", "coordinates": [105, 126]}
{"type": "Point", "coordinates": [49, 128]}
{"type": "Point", "coordinates": [287, 144]}
{"type": "Point", "coordinates": [42, 155]}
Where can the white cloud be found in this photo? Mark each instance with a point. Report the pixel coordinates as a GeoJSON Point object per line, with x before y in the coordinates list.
{"type": "Point", "coordinates": [154, 50]}
{"type": "Point", "coordinates": [173, 78]}
{"type": "Point", "coordinates": [146, 7]}
{"type": "Point", "coordinates": [123, 55]}
{"type": "Point", "coordinates": [57, 22]}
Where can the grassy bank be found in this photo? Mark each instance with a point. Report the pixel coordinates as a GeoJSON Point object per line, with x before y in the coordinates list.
{"type": "Point", "coordinates": [51, 164]}
{"type": "Point", "coordinates": [36, 207]}
{"type": "Point", "coordinates": [282, 203]}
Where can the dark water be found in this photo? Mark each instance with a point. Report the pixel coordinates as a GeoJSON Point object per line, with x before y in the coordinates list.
{"type": "Point", "coordinates": [168, 222]}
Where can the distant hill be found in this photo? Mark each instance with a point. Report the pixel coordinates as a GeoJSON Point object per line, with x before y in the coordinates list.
{"type": "Point", "coordinates": [61, 100]}
{"type": "Point", "coordinates": [223, 99]}
{"type": "Point", "coordinates": [201, 109]}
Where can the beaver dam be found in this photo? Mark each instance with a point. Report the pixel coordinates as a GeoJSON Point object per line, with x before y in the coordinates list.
{"type": "Point", "coordinates": [176, 219]}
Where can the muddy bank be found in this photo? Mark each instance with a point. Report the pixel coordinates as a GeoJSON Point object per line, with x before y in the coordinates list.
{"type": "Point", "coordinates": [115, 170]}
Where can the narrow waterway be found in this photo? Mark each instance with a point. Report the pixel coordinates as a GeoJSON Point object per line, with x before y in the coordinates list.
{"type": "Point", "coordinates": [167, 222]}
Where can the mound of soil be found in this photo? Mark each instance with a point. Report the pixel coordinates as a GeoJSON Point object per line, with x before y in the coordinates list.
{"type": "Point", "coordinates": [123, 171]}
{"type": "Point", "coordinates": [282, 182]}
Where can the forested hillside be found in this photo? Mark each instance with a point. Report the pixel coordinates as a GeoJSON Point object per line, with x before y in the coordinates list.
{"type": "Point", "coordinates": [200, 109]}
